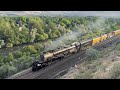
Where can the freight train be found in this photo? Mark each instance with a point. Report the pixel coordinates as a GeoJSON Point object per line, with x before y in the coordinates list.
{"type": "Point", "coordinates": [76, 47]}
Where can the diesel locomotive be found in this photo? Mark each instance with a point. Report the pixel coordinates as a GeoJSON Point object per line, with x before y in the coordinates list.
{"type": "Point", "coordinates": [58, 54]}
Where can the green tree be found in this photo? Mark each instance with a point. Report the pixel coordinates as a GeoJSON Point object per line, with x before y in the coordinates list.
{"type": "Point", "coordinates": [1, 59]}
{"type": "Point", "coordinates": [33, 34]}
{"type": "Point", "coordinates": [17, 54]}
{"type": "Point", "coordinates": [2, 43]}
{"type": "Point", "coordinates": [11, 70]}
{"type": "Point", "coordinates": [30, 49]}
{"type": "Point", "coordinates": [10, 57]}
{"type": "Point", "coordinates": [9, 45]}
{"type": "Point", "coordinates": [3, 71]}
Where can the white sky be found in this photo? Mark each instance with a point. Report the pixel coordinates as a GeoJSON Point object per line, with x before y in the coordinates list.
{"type": "Point", "coordinates": [78, 13]}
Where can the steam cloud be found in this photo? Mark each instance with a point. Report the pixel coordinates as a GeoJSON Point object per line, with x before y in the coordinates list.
{"type": "Point", "coordinates": [71, 37]}
{"type": "Point", "coordinates": [63, 40]}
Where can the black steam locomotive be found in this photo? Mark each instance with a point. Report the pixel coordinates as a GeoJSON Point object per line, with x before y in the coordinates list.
{"type": "Point", "coordinates": [59, 54]}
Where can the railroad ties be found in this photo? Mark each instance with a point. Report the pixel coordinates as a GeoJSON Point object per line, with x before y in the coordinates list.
{"type": "Point", "coordinates": [53, 69]}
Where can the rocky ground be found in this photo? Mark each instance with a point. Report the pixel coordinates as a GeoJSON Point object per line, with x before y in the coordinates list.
{"type": "Point", "coordinates": [105, 67]}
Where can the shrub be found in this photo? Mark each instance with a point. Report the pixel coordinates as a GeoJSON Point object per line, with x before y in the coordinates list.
{"type": "Point", "coordinates": [30, 49]}
{"type": "Point", "coordinates": [118, 46]}
{"type": "Point", "coordinates": [7, 70]}
{"type": "Point", "coordinates": [114, 72]}
{"type": "Point", "coordinates": [38, 47]}
{"type": "Point", "coordinates": [10, 57]}
{"type": "Point", "coordinates": [9, 45]}
{"type": "Point", "coordinates": [17, 54]}
{"type": "Point", "coordinates": [11, 70]}
{"type": "Point", "coordinates": [3, 71]}
{"type": "Point", "coordinates": [24, 62]}
{"type": "Point", "coordinates": [92, 54]}
{"type": "Point", "coordinates": [1, 58]}
{"type": "Point", "coordinates": [96, 64]}
{"type": "Point", "coordinates": [2, 43]}
{"type": "Point", "coordinates": [85, 75]}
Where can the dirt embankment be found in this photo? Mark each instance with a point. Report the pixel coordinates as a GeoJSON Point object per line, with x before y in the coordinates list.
{"type": "Point", "coordinates": [105, 67]}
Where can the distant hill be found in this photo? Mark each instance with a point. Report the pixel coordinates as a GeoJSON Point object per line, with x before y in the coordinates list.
{"type": "Point", "coordinates": [61, 13]}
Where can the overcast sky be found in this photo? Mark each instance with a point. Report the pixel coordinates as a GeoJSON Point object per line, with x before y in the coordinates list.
{"type": "Point", "coordinates": [69, 13]}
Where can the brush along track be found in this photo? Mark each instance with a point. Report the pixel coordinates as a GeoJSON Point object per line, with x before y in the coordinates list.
{"type": "Point", "coordinates": [104, 44]}
{"type": "Point", "coordinates": [112, 42]}
{"type": "Point", "coordinates": [33, 75]}
{"type": "Point", "coordinates": [53, 69]}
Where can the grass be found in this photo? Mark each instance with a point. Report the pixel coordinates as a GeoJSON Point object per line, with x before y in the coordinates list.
{"type": "Point", "coordinates": [100, 65]}
{"type": "Point", "coordinates": [103, 64]}
{"type": "Point", "coordinates": [114, 72]}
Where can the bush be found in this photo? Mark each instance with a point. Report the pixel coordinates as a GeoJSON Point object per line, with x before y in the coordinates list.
{"type": "Point", "coordinates": [7, 70]}
{"type": "Point", "coordinates": [85, 75]}
{"type": "Point", "coordinates": [118, 46]}
{"type": "Point", "coordinates": [17, 54]}
{"type": "Point", "coordinates": [24, 62]}
{"type": "Point", "coordinates": [10, 57]}
{"type": "Point", "coordinates": [39, 47]}
{"type": "Point", "coordinates": [1, 59]}
{"type": "Point", "coordinates": [9, 45]}
{"type": "Point", "coordinates": [1, 43]}
{"type": "Point", "coordinates": [115, 71]}
{"type": "Point", "coordinates": [30, 49]}
{"type": "Point", "coordinates": [92, 54]}
{"type": "Point", "coordinates": [3, 71]}
{"type": "Point", "coordinates": [11, 70]}
{"type": "Point", "coordinates": [96, 64]}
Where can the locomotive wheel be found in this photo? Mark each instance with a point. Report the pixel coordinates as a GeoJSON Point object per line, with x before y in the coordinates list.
{"type": "Point", "coordinates": [60, 58]}
{"type": "Point", "coordinates": [33, 69]}
{"type": "Point", "coordinates": [46, 64]}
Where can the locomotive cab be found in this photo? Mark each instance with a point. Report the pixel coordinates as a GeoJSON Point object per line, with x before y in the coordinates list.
{"type": "Point", "coordinates": [36, 65]}
{"type": "Point", "coordinates": [42, 57]}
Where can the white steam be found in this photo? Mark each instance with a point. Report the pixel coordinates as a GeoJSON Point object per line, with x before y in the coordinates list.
{"type": "Point", "coordinates": [64, 40]}
{"type": "Point", "coordinates": [78, 31]}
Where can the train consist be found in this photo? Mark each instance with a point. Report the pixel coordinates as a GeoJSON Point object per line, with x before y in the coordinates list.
{"type": "Point", "coordinates": [59, 54]}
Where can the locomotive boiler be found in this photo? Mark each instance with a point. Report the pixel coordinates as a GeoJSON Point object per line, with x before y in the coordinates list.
{"type": "Point", "coordinates": [52, 55]}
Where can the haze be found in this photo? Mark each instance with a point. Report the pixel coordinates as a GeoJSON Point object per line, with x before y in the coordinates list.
{"type": "Point", "coordinates": [62, 13]}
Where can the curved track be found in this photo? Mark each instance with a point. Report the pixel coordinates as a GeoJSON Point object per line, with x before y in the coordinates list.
{"type": "Point", "coordinates": [62, 66]}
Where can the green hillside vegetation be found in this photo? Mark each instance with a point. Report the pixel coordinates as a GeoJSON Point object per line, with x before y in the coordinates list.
{"type": "Point", "coordinates": [105, 66]}
{"type": "Point", "coordinates": [20, 30]}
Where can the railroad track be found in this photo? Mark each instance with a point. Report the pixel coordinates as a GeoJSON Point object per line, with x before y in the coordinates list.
{"type": "Point", "coordinates": [99, 47]}
{"type": "Point", "coordinates": [56, 67]}
{"type": "Point", "coordinates": [34, 75]}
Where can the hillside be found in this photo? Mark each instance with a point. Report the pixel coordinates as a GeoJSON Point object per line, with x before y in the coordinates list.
{"type": "Point", "coordinates": [105, 67]}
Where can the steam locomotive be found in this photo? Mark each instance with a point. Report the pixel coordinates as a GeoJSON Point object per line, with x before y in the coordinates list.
{"type": "Point", "coordinates": [76, 47]}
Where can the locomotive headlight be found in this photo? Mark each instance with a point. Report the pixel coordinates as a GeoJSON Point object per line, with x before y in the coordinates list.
{"type": "Point", "coordinates": [38, 64]}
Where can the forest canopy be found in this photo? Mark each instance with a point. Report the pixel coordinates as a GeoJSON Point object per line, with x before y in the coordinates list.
{"type": "Point", "coordinates": [19, 30]}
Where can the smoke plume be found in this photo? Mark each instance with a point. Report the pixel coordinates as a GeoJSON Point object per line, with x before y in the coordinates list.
{"type": "Point", "coordinates": [78, 31]}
